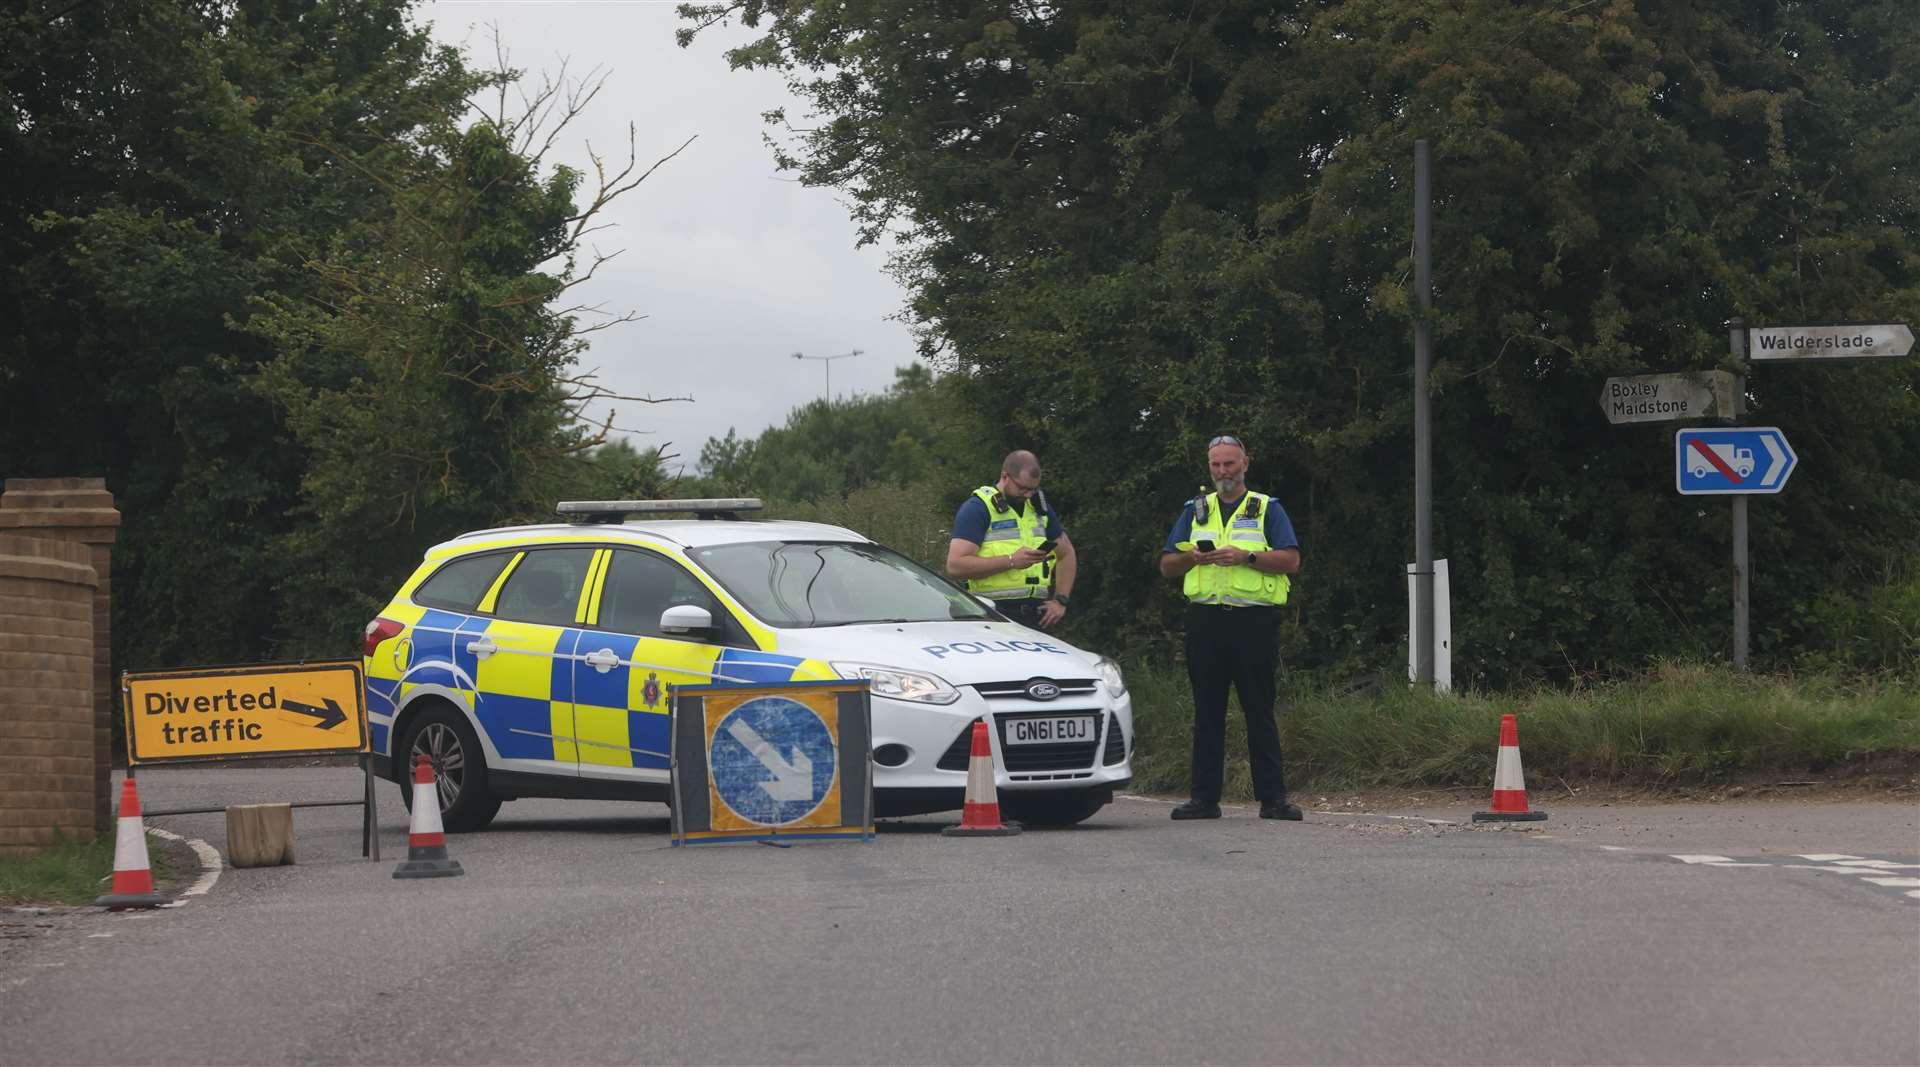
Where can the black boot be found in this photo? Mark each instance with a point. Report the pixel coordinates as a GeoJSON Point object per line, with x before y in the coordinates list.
{"type": "Point", "coordinates": [1193, 809]}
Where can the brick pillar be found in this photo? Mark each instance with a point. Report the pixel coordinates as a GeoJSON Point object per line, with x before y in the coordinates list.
{"type": "Point", "coordinates": [46, 693]}
{"type": "Point", "coordinates": [79, 510]}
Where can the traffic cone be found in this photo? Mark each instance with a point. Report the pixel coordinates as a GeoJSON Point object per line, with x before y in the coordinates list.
{"type": "Point", "coordinates": [132, 873]}
{"type": "Point", "coordinates": [426, 839]}
{"type": "Point", "coordinates": [1509, 785]}
{"type": "Point", "coordinates": [980, 815]}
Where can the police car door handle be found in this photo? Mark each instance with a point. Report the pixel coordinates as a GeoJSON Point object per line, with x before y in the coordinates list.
{"type": "Point", "coordinates": [603, 660]}
{"type": "Point", "coordinates": [482, 648]}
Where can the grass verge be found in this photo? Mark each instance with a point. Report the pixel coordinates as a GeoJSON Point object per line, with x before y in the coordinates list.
{"type": "Point", "coordinates": [73, 872]}
{"type": "Point", "coordinates": [1676, 725]}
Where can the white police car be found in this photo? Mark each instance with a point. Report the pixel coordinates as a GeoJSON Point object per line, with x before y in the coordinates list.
{"type": "Point", "coordinates": [534, 661]}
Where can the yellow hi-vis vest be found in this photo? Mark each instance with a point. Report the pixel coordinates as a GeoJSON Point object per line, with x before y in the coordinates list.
{"type": "Point", "coordinates": [1245, 529]}
{"type": "Point", "coordinates": [1007, 533]}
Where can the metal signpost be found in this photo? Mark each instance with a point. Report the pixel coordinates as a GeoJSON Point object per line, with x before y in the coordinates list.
{"type": "Point", "coordinates": [1739, 462]}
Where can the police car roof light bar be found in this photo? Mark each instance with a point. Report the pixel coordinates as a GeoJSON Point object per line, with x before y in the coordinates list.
{"type": "Point", "coordinates": [613, 511]}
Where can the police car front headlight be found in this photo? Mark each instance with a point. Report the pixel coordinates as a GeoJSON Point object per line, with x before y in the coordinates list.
{"type": "Point", "coordinates": [899, 684]}
{"type": "Point", "coordinates": [1109, 672]}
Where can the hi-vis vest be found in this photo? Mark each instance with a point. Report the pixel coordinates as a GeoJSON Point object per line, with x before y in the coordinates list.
{"type": "Point", "coordinates": [1007, 533]}
{"type": "Point", "coordinates": [1244, 529]}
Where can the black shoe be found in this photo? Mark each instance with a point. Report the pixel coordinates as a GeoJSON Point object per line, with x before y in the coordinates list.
{"type": "Point", "coordinates": [1280, 810]}
{"type": "Point", "coordinates": [1193, 809]}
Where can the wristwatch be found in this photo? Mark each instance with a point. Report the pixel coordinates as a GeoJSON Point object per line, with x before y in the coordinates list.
{"type": "Point", "coordinates": [1251, 556]}
{"type": "Point", "coordinates": [1062, 598]}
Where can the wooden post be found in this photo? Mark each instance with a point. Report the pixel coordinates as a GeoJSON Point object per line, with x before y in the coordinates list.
{"type": "Point", "coordinates": [260, 835]}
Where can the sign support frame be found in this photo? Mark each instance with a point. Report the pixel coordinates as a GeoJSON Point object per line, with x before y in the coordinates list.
{"type": "Point", "coordinates": [368, 803]}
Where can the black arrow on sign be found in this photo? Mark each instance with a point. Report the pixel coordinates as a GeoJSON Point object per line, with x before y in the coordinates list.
{"type": "Point", "coordinates": [329, 718]}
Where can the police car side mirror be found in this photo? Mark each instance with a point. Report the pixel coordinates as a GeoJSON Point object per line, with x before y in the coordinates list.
{"type": "Point", "coordinates": [686, 619]}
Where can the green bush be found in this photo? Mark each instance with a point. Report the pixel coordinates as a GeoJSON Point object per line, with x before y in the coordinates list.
{"type": "Point", "coordinates": [1677, 724]}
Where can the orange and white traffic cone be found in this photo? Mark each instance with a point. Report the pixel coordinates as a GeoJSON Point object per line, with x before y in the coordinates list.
{"type": "Point", "coordinates": [426, 838]}
{"type": "Point", "coordinates": [132, 873]}
{"type": "Point", "coordinates": [1509, 785]}
{"type": "Point", "coordinates": [980, 814]}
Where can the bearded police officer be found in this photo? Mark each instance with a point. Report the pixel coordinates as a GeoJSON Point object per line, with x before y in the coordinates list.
{"type": "Point", "coordinates": [1005, 541]}
{"type": "Point", "coordinates": [1233, 550]}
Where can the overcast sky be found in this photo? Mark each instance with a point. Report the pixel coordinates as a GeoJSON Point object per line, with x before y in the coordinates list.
{"type": "Point", "coordinates": [734, 265]}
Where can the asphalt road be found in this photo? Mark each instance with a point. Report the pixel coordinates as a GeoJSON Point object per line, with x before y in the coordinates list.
{"type": "Point", "coordinates": [1684, 934]}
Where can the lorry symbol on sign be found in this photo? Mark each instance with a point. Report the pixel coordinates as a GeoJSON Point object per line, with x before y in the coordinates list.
{"type": "Point", "coordinates": [1698, 462]}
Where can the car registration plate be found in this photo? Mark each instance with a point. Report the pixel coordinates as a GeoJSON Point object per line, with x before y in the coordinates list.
{"type": "Point", "coordinates": [1060, 729]}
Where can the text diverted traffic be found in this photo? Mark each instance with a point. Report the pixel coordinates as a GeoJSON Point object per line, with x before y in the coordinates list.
{"type": "Point", "coordinates": [231, 727]}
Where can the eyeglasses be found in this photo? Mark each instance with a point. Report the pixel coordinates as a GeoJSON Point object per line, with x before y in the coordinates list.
{"type": "Point", "coordinates": [1227, 439]}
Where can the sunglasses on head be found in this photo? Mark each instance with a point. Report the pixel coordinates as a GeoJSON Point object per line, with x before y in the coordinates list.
{"type": "Point", "coordinates": [1227, 439]}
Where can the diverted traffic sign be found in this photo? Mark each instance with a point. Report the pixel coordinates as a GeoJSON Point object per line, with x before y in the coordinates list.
{"type": "Point", "coordinates": [1665, 397]}
{"type": "Point", "coordinates": [771, 761]}
{"type": "Point", "coordinates": [1746, 459]}
{"type": "Point", "coordinates": [1829, 343]}
{"type": "Point", "coordinates": [275, 709]}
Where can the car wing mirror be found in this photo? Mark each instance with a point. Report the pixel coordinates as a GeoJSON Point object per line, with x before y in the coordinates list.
{"type": "Point", "coordinates": [987, 600]}
{"type": "Point", "coordinates": [688, 619]}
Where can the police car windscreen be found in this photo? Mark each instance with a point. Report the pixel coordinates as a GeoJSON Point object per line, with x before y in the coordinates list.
{"type": "Point", "coordinates": [833, 584]}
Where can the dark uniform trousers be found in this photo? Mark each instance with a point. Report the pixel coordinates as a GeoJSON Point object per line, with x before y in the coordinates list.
{"type": "Point", "coordinates": [1025, 612]}
{"type": "Point", "coordinates": [1238, 647]}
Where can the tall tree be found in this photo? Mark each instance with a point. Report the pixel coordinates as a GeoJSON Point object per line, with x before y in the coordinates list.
{"type": "Point", "coordinates": [204, 208]}
{"type": "Point", "coordinates": [1126, 227]}
{"type": "Point", "coordinates": [159, 171]}
{"type": "Point", "coordinates": [430, 371]}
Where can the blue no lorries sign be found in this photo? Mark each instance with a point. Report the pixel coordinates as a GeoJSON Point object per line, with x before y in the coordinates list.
{"type": "Point", "coordinates": [1746, 459]}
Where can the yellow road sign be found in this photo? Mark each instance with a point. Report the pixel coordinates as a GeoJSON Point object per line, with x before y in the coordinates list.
{"type": "Point", "coordinates": [271, 709]}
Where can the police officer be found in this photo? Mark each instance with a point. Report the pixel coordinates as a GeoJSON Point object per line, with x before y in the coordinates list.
{"type": "Point", "coordinates": [1233, 550]}
{"type": "Point", "coordinates": [1004, 537]}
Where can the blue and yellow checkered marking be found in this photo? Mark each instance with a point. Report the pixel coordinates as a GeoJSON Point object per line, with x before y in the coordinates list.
{"type": "Point", "coordinates": [525, 689]}
{"type": "Point", "coordinates": [600, 717]}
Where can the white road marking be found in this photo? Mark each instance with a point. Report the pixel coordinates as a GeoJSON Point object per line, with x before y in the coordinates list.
{"type": "Point", "coordinates": [1814, 867]}
{"type": "Point", "coordinates": [210, 865]}
{"type": "Point", "coordinates": [1880, 865]}
{"type": "Point", "coordinates": [1614, 848]}
{"type": "Point", "coordinates": [1703, 858]}
{"type": "Point", "coordinates": [1827, 857]}
{"type": "Point", "coordinates": [1902, 883]}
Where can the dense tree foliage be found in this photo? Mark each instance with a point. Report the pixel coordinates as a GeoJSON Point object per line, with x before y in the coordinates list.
{"type": "Point", "coordinates": [1127, 226]}
{"type": "Point", "coordinates": [915, 433]}
{"type": "Point", "coordinates": [272, 278]}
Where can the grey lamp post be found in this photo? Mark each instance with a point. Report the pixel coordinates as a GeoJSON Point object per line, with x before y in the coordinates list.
{"type": "Point", "coordinates": [827, 365]}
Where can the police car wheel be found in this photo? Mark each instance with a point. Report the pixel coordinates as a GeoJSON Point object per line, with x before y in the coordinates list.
{"type": "Point", "coordinates": [459, 769]}
{"type": "Point", "coordinates": [1053, 809]}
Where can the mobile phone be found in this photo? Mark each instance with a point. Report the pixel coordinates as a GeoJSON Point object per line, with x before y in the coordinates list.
{"type": "Point", "coordinates": [1047, 545]}
{"type": "Point", "coordinates": [1203, 545]}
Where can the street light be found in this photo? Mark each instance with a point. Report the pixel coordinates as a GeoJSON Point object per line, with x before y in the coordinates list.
{"type": "Point", "coordinates": [827, 365]}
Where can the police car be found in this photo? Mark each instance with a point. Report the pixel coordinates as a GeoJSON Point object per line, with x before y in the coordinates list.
{"type": "Point", "coordinates": [536, 661]}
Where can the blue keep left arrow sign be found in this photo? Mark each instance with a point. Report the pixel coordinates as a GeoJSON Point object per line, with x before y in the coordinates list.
{"type": "Point", "coordinates": [1744, 459]}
